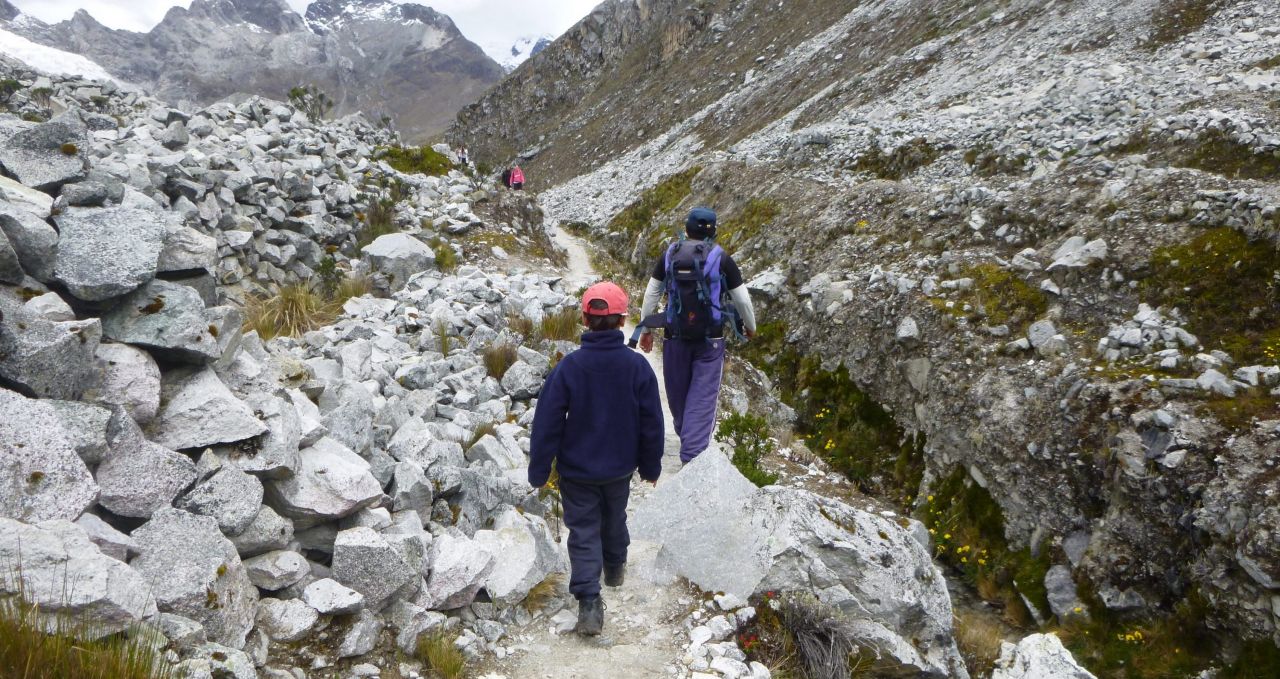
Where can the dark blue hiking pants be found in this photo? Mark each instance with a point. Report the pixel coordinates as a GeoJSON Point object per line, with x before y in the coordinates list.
{"type": "Point", "coordinates": [691, 371]}
{"type": "Point", "coordinates": [596, 516]}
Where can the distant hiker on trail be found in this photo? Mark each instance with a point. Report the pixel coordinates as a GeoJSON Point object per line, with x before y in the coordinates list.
{"type": "Point", "coordinates": [506, 177]}
{"type": "Point", "coordinates": [517, 178]}
{"type": "Point", "coordinates": [705, 296]}
{"type": "Point", "coordinates": [462, 156]}
{"type": "Point", "coordinates": [598, 419]}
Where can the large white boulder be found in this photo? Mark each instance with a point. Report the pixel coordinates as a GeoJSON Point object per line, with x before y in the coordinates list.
{"type": "Point", "coordinates": [459, 568]}
{"type": "Point", "coordinates": [42, 476]}
{"type": "Point", "coordinates": [60, 569]}
{"type": "Point", "coordinates": [1039, 656]}
{"type": "Point", "coordinates": [195, 572]}
{"type": "Point", "coordinates": [331, 482]}
{"type": "Point", "coordinates": [372, 565]}
{"type": "Point", "coordinates": [198, 410]}
{"type": "Point", "coordinates": [107, 252]}
{"type": "Point", "coordinates": [524, 554]}
{"type": "Point", "coordinates": [399, 256]}
{"type": "Point", "coordinates": [137, 476]}
{"type": "Point", "coordinates": [750, 539]}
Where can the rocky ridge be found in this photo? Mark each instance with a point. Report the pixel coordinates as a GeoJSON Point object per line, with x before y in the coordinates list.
{"type": "Point", "coordinates": [405, 61]}
{"type": "Point", "coordinates": [987, 215]}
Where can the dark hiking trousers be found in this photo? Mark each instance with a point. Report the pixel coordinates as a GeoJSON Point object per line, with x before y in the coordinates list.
{"type": "Point", "coordinates": [596, 516]}
{"type": "Point", "coordinates": [691, 371]}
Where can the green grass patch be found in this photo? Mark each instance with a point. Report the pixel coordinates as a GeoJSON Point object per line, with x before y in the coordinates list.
{"type": "Point", "coordinates": [36, 645]}
{"type": "Point", "coordinates": [1216, 151]}
{"type": "Point", "coordinates": [748, 223]}
{"type": "Point", "coordinates": [1172, 20]}
{"type": "Point", "coordinates": [1179, 644]}
{"type": "Point", "coordinates": [748, 437]}
{"type": "Point", "coordinates": [968, 527]}
{"type": "Point", "coordinates": [1229, 289]}
{"type": "Point", "coordinates": [1000, 297]}
{"type": "Point", "coordinates": [637, 220]}
{"type": "Point", "coordinates": [446, 258]}
{"type": "Point", "coordinates": [417, 160]}
{"type": "Point", "coordinates": [1241, 412]}
{"type": "Point", "coordinates": [899, 162]}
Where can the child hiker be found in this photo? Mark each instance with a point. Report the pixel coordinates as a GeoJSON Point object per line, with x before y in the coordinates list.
{"type": "Point", "coordinates": [599, 419]}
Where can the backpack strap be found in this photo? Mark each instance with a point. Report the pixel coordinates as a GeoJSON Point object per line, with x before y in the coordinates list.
{"type": "Point", "coordinates": [673, 292]}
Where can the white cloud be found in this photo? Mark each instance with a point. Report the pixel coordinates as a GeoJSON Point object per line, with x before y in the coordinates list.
{"type": "Point", "coordinates": [492, 24]}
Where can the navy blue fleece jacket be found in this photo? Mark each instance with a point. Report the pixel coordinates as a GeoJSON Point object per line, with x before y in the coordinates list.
{"type": "Point", "coordinates": [599, 417]}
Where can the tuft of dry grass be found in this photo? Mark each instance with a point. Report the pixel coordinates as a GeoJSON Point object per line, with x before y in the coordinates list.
{"type": "Point", "coordinates": [440, 655]}
{"type": "Point", "coordinates": [352, 285]}
{"type": "Point", "coordinates": [522, 325]}
{"type": "Point", "coordinates": [482, 430]}
{"type": "Point", "coordinates": [295, 309]}
{"type": "Point", "coordinates": [498, 358]}
{"type": "Point", "coordinates": [978, 637]}
{"type": "Point", "coordinates": [37, 646]}
{"type": "Point", "coordinates": [565, 324]}
{"type": "Point", "coordinates": [445, 339]}
{"type": "Point", "coordinates": [543, 593]}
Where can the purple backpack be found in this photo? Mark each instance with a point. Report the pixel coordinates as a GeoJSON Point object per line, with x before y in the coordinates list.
{"type": "Point", "coordinates": [694, 285]}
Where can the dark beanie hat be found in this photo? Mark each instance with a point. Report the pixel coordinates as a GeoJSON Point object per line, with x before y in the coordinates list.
{"type": "Point", "coordinates": [701, 222]}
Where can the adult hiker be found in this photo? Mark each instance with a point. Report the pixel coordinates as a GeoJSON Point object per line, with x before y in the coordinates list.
{"type": "Point", "coordinates": [463, 160]}
{"type": "Point", "coordinates": [599, 420]}
{"type": "Point", "coordinates": [517, 178]}
{"type": "Point", "coordinates": [705, 297]}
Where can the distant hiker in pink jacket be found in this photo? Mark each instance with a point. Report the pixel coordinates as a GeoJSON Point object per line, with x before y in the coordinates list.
{"type": "Point", "coordinates": [517, 178]}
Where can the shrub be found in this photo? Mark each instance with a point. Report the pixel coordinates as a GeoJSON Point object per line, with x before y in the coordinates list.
{"type": "Point", "coordinates": [439, 654]}
{"type": "Point", "coordinates": [968, 526]}
{"type": "Point", "coordinates": [565, 324]}
{"type": "Point", "coordinates": [35, 646]}
{"type": "Point", "coordinates": [498, 358]}
{"type": "Point", "coordinates": [329, 275]}
{"type": "Point", "coordinates": [417, 160]}
{"type": "Point", "coordinates": [69, 149]}
{"type": "Point", "coordinates": [295, 309]}
{"type": "Point", "coordinates": [313, 103]}
{"type": "Point", "coordinates": [748, 436]}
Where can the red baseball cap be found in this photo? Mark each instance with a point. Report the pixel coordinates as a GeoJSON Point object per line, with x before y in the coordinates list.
{"type": "Point", "coordinates": [613, 296]}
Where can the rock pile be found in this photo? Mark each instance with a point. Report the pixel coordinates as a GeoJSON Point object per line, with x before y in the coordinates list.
{"type": "Point", "coordinates": [247, 499]}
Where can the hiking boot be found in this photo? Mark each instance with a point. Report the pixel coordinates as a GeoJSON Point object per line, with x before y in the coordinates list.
{"type": "Point", "coordinates": [590, 616]}
{"type": "Point", "coordinates": [614, 576]}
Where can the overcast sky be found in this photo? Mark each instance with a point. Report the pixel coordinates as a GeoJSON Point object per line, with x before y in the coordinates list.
{"type": "Point", "coordinates": [492, 24]}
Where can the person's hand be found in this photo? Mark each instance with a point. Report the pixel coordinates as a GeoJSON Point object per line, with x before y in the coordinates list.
{"type": "Point", "coordinates": [646, 342]}
{"type": "Point", "coordinates": [751, 334]}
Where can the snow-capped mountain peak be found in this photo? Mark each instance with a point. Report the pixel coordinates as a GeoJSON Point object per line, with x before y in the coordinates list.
{"type": "Point", "coordinates": [521, 50]}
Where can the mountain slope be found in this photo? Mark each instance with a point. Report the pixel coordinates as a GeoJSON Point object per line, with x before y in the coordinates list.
{"type": "Point", "coordinates": [1039, 235]}
{"type": "Point", "coordinates": [376, 56]}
